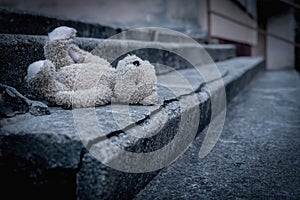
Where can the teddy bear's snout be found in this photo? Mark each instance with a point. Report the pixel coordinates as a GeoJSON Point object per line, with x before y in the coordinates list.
{"type": "Point", "coordinates": [136, 63]}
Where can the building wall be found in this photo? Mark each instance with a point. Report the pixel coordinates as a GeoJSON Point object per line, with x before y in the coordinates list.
{"type": "Point", "coordinates": [175, 14]}
{"type": "Point", "coordinates": [259, 48]}
{"type": "Point", "coordinates": [280, 54]}
{"type": "Point", "coordinates": [225, 29]}
{"type": "Point", "coordinates": [187, 16]}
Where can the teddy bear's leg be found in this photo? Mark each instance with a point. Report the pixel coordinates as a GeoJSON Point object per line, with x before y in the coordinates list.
{"type": "Point", "coordinates": [56, 49]}
{"type": "Point", "coordinates": [41, 80]}
{"type": "Point", "coordinates": [96, 96]}
{"type": "Point", "coordinates": [80, 56]}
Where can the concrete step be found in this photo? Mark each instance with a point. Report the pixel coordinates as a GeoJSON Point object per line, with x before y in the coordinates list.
{"type": "Point", "coordinates": [257, 155]}
{"type": "Point", "coordinates": [22, 22]}
{"type": "Point", "coordinates": [159, 35]}
{"type": "Point", "coordinates": [48, 154]}
{"type": "Point", "coordinates": [18, 51]}
{"type": "Point", "coordinates": [28, 23]}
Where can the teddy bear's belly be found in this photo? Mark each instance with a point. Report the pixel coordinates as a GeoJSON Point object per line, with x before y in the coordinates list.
{"type": "Point", "coordinates": [85, 76]}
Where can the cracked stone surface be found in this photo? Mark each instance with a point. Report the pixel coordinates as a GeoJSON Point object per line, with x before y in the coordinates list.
{"type": "Point", "coordinates": [50, 143]}
{"type": "Point", "coordinates": [257, 155]}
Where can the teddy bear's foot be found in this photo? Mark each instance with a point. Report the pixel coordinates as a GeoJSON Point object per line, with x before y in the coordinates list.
{"type": "Point", "coordinates": [97, 96]}
{"type": "Point", "coordinates": [41, 80]}
{"type": "Point", "coordinates": [34, 68]}
{"type": "Point", "coordinates": [62, 33]}
{"type": "Point", "coordinates": [41, 67]}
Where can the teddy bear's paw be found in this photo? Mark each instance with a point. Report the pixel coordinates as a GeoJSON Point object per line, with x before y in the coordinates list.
{"type": "Point", "coordinates": [62, 33]}
{"type": "Point", "coordinates": [95, 96]}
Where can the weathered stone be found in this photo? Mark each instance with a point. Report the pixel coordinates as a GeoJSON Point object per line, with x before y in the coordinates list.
{"type": "Point", "coordinates": [12, 102]}
{"type": "Point", "coordinates": [92, 166]}
{"type": "Point", "coordinates": [22, 22]}
{"type": "Point", "coordinates": [257, 155]}
{"type": "Point", "coordinates": [55, 141]}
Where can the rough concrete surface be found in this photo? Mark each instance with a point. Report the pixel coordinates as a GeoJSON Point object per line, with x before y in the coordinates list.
{"type": "Point", "coordinates": [22, 22]}
{"type": "Point", "coordinates": [52, 156]}
{"type": "Point", "coordinates": [257, 155]}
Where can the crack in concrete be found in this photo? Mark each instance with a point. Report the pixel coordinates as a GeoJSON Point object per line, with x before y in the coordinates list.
{"type": "Point", "coordinates": [162, 106]}
{"type": "Point", "coordinates": [82, 153]}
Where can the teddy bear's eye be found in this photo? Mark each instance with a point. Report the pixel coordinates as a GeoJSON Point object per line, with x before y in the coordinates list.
{"type": "Point", "coordinates": [136, 63]}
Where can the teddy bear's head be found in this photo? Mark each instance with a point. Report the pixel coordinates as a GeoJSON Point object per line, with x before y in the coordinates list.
{"type": "Point", "coordinates": [131, 62]}
{"type": "Point", "coordinates": [136, 81]}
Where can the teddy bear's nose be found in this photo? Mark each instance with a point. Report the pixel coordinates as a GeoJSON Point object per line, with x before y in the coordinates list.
{"type": "Point", "coordinates": [136, 63]}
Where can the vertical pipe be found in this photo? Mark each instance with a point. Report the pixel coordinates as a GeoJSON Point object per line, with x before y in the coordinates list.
{"type": "Point", "coordinates": [208, 21]}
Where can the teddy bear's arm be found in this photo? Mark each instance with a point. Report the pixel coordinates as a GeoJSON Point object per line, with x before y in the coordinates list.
{"type": "Point", "coordinates": [95, 96]}
{"type": "Point", "coordinates": [43, 82]}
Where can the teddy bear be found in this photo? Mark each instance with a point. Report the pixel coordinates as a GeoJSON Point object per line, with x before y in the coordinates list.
{"type": "Point", "coordinates": [73, 77]}
{"type": "Point", "coordinates": [70, 76]}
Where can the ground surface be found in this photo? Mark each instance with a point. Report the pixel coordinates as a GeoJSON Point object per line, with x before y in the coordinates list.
{"type": "Point", "coordinates": [257, 155]}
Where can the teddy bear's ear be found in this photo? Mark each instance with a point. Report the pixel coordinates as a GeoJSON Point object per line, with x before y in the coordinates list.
{"type": "Point", "coordinates": [62, 33]}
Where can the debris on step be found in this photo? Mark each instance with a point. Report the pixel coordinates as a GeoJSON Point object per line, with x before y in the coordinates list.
{"type": "Point", "coordinates": [12, 103]}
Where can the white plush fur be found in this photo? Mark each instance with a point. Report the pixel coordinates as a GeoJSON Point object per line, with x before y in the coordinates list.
{"type": "Point", "coordinates": [136, 82]}
{"type": "Point", "coordinates": [71, 76]}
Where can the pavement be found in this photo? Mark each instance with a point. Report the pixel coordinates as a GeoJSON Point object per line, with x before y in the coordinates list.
{"type": "Point", "coordinates": [257, 155]}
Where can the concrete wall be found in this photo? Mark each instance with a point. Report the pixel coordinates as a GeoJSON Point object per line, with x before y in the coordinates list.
{"type": "Point", "coordinates": [188, 16]}
{"type": "Point", "coordinates": [176, 14]}
{"type": "Point", "coordinates": [225, 29]}
{"type": "Point", "coordinates": [259, 48]}
{"type": "Point", "coordinates": [280, 54]}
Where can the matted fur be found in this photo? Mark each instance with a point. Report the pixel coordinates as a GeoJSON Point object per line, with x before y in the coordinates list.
{"type": "Point", "coordinates": [71, 76]}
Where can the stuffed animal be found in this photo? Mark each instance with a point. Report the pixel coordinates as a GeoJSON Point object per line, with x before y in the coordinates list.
{"type": "Point", "coordinates": [70, 76]}
{"type": "Point", "coordinates": [73, 77]}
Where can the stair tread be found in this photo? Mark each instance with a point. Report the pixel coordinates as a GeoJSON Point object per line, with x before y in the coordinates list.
{"type": "Point", "coordinates": [24, 123]}
{"type": "Point", "coordinates": [251, 152]}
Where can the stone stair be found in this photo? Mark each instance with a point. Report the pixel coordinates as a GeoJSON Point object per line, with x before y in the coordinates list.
{"type": "Point", "coordinates": [45, 155]}
{"type": "Point", "coordinates": [256, 156]}
{"type": "Point", "coordinates": [16, 49]}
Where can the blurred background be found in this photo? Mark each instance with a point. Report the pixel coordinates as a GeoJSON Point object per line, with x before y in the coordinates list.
{"type": "Point", "coordinates": [266, 28]}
